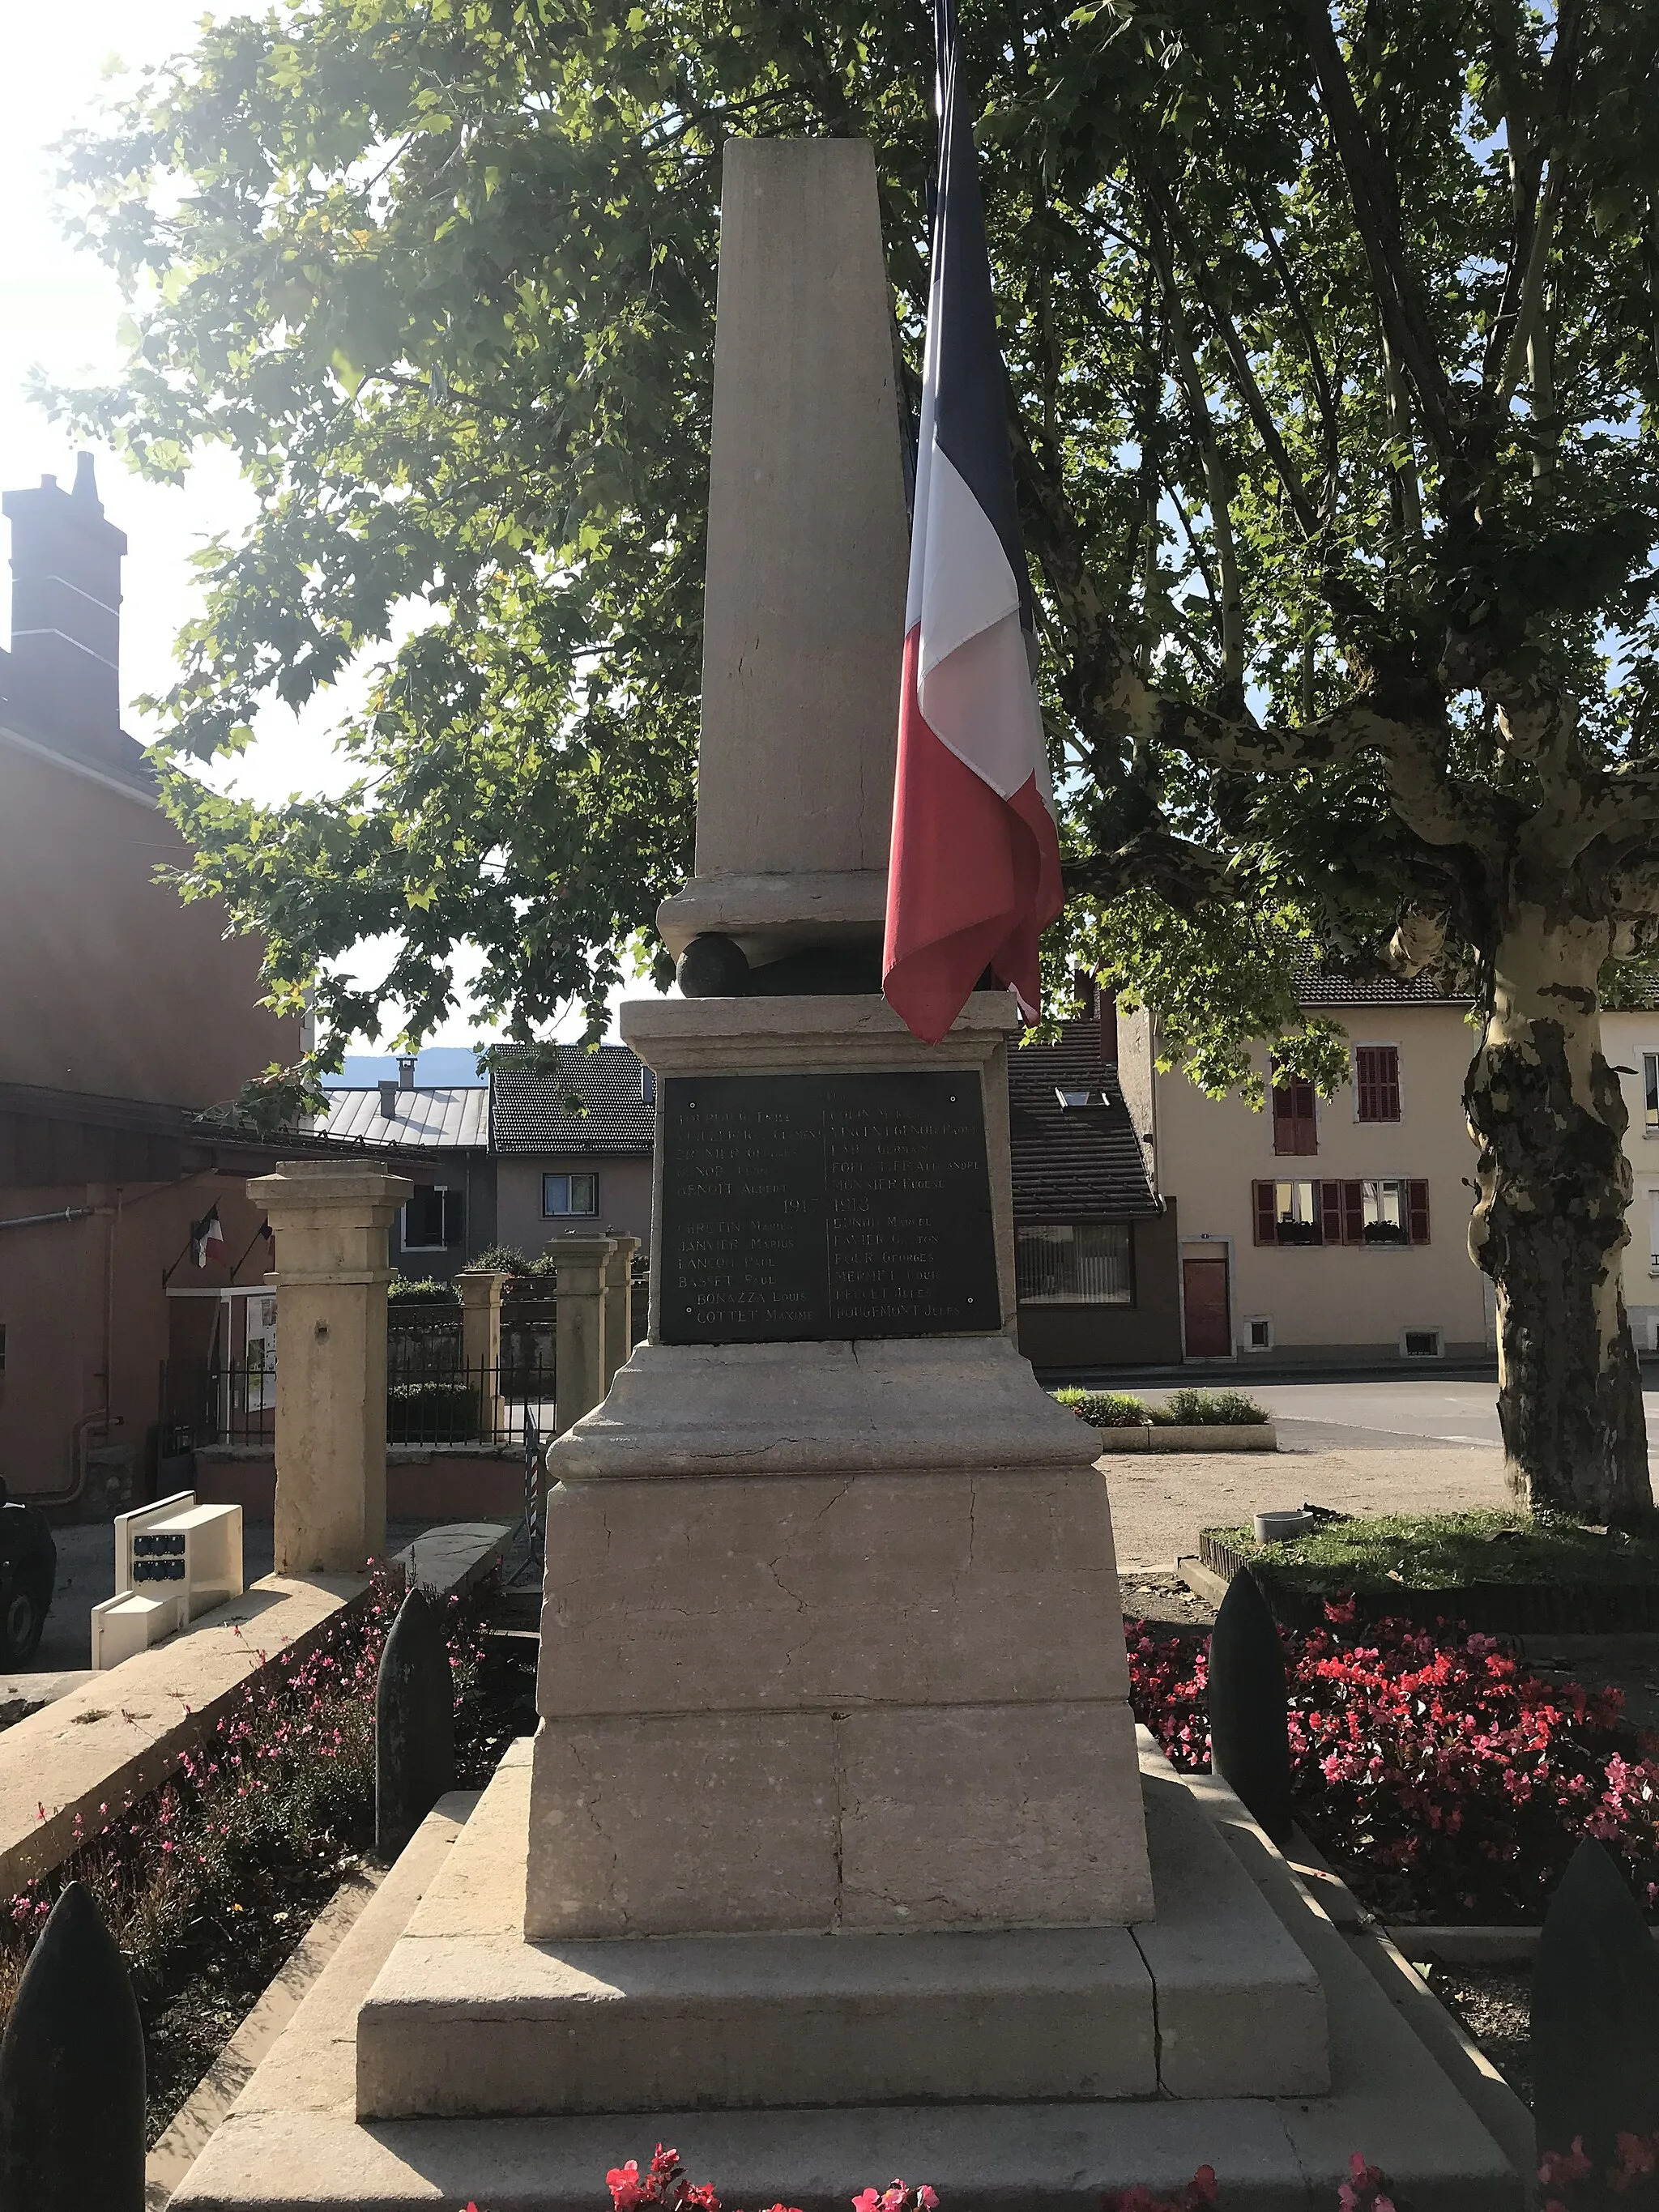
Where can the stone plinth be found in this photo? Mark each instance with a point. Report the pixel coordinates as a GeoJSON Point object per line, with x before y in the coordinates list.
{"type": "Point", "coordinates": [329, 1220]}
{"type": "Point", "coordinates": [808, 549]}
{"type": "Point", "coordinates": [851, 1609]}
{"type": "Point", "coordinates": [1212, 1999]}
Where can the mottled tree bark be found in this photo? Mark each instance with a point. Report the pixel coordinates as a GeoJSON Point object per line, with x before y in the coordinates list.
{"type": "Point", "coordinates": [1548, 1226]}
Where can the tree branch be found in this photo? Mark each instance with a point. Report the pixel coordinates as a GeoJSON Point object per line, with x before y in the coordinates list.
{"type": "Point", "coordinates": [1404, 315]}
{"type": "Point", "coordinates": [1217, 490]}
{"type": "Point", "coordinates": [1238, 360]}
{"type": "Point", "coordinates": [1532, 289]}
{"type": "Point", "coordinates": [1330, 427]}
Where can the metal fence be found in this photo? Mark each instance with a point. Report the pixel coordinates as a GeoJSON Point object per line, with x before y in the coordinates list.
{"type": "Point", "coordinates": [433, 1395]}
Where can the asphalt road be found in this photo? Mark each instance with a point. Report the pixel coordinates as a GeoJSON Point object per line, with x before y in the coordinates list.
{"type": "Point", "coordinates": [1317, 1416]}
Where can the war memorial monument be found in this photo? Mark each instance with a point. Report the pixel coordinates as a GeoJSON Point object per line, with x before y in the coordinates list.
{"type": "Point", "coordinates": [835, 1854]}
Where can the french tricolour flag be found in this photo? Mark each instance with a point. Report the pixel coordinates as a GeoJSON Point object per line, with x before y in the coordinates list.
{"type": "Point", "coordinates": [974, 874]}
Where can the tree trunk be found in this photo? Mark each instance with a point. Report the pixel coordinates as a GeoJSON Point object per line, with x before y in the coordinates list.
{"type": "Point", "coordinates": [1548, 1227]}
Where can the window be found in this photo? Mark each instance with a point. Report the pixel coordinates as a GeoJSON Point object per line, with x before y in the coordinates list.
{"type": "Point", "coordinates": [1258, 1333]}
{"type": "Point", "coordinates": [1079, 1097]}
{"type": "Point", "coordinates": [1650, 1091]}
{"type": "Point", "coordinates": [1385, 1210]}
{"type": "Point", "coordinates": [1295, 1127]}
{"type": "Point", "coordinates": [1078, 1263]}
{"type": "Point", "coordinates": [1289, 1213]}
{"type": "Point", "coordinates": [1385, 1216]}
{"type": "Point", "coordinates": [1376, 1082]}
{"type": "Point", "coordinates": [1653, 1232]}
{"type": "Point", "coordinates": [569, 1193]}
{"type": "Point", "coordinates": [1421, 1343]}
{"type": "Point", "coordinates": [434, 1220]}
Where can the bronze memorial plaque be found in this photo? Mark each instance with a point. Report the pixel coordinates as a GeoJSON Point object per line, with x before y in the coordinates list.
{"type": "Point", "coordinates": [824, 1205]}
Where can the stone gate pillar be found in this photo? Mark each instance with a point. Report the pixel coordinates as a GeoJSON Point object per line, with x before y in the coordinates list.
{"type": "Point", "coordinates": [619, 1306]}
{"type": "Point", "coordinates": [482, 1291]}
{"type": "Point", "coordinates": [581, 1377]}
{"type": "Point", "coordinates": [329, 1220]}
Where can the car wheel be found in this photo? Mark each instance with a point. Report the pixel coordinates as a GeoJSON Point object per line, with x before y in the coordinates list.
{"type": "Point", "coordinates": [23, 1619]}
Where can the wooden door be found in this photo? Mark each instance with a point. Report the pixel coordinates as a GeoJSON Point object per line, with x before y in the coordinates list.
{"type": "Point", "coordinates": [1209, 1328]}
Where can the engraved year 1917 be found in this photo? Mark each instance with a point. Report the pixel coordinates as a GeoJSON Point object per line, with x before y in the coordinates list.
{"type": "Point", "coordinates": [825, 1207]}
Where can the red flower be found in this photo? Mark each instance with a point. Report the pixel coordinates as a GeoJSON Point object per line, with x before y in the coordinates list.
{"type": "Point", "coordinates": [623, 2183]}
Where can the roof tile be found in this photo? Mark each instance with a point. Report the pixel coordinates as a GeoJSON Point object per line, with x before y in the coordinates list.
{"type": "Point", "coordinates": [1073, 1163]}
{"type": "Point", "coordinates": [530, 1115]}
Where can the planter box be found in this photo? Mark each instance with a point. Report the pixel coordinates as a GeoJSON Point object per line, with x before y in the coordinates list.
{"type": "Point", "coordinates": [1232, 1437]}
{"type": "Point", "coordinates": [1494, 1608]}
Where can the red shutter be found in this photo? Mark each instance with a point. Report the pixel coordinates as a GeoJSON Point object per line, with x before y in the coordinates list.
{"type": "Point", "coordinates": [1330, 1212]}
{"type": "Point", "coordinates": [1417, 1195]}
{"type": "Point", "coordinates": [1389, 1084]}
{"type": "Point", "coordinates": [1364, 1082]}
{"type": "Point", "coordinates": [1353, 1214]}
{"type": "Point", "coordinates": [1267, 1218]}
{"type": "Point", "coordinates": [1296, 1130]}
{"type": "Point", "coordinates": [1376, 1082]}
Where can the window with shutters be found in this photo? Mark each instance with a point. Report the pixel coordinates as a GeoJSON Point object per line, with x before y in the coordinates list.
{"type": "Point", "coordinates": [1289, 1213]}
{"type": "Point", "coordinates": [1382, 1210]}
{"type": "Point", "coordinates": [1296, 1125]}
{"type": "Point", "coordinates": [1376, 1082]}
{"type": "Point", "coordinates": [1650, 1091]}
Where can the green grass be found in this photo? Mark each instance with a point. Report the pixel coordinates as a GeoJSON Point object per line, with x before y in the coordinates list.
{"type": "Point", "coordinates": [1184, 1409]}
{"type": "Point", "coordinates": [1447, 1550]}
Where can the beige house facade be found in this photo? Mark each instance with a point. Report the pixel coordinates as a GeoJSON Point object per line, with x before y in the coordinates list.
{"type": "Point", "coordinates": [1328, 1231]}
{"type": "Point", "coordinates": [1631, 1041]}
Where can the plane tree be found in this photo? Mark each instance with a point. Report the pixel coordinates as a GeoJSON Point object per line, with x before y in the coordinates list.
{"type": "Point", "coordinates": [1332, 342]}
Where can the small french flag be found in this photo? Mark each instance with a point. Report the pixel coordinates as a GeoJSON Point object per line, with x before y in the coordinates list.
{"type": "Point", "coordinates": [974, 878]}
{"type": "Point", "coordinates": [207, 1238]}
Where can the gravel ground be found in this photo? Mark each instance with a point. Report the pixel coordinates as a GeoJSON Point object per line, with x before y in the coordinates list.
{"type": "Point", "coordinates": [1160, 1500]}
{"type": "Point", "coordinates": [1495, 2005]}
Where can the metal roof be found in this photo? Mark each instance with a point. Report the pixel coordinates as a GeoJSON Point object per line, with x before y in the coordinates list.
{"type": "Point", "coordinates": [529, 1113]}
{"type": "Point", "coordinates": [1078, 1163]}
{"type": "Point", "coordinates": [435, 1117]}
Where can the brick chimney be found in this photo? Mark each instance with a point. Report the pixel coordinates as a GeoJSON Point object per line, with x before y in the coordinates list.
{"type": "Point", "coordinates": [62, 675]}
{"type": "Point", "coordinates": [1099, 1004]}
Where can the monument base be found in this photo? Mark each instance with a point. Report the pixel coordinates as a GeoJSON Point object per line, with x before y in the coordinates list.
{"type": "Point", "coordinates": [831, 1643]}
{"type": "Point", "coordinates": [1431, 2113]}
{"type": "Point", "coordinates": [1212, 1998]}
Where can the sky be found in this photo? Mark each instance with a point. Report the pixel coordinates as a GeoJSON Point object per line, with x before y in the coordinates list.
{"type": "Point", "coordinates": [59, 313]}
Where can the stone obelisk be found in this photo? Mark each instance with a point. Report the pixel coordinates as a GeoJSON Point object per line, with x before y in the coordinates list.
{"type": "Point", "coordinates": [835, 1797]}
{"type": "Point", "coordinates": [828, 1572]}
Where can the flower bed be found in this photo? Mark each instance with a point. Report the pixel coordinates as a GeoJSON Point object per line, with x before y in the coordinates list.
{"type": "Point", "coordinates": [666, 2183]}
{"type": "Point", "coordinates": [1181, 1409]}
{"type": "Point", "coordinates": [1443, 1779]}
{"type": "Point", "coordinates": [207, 1883]}
{"type": "Point", "coordinates": [1505, 1572]}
